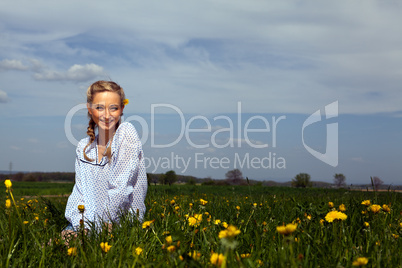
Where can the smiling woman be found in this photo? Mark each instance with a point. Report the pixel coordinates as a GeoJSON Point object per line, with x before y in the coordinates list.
{"type": "Point", "coordinates": [110, 172]}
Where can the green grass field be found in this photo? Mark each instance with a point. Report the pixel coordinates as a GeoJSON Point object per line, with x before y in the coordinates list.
{"type": "Point", "coordinates": [209, 226]}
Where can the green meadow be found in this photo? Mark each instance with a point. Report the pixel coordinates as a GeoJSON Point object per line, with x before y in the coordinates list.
{"type": "Point", "coordinates": [209, 226]}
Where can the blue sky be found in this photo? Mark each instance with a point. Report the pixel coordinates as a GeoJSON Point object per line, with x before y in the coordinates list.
{"type": "Point", "coordinates": [190, 65]}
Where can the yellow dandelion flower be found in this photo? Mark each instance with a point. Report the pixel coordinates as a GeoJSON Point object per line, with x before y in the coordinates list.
{"type": "Point", "coordinates": [237, 207]}
{"type": "Point", "coordinates": [217, 259]}
{"type": "Point", "coordinates": [203, 202]}
{"type": "Point", "coordinates": [230, 232]}
{"type": "Point", "coordinates": [322, 221]}
{"type": "Point", "coordinates": [172, 202]}
{"type": "Point", "coordinates": [125, 102]}
{"type": "Point", "coordinates": [400, 224]}
{"type": "Point", "coordinates": [171, 248]}
{"type": "Point", "coordinates": [366, 224]}
{"type": "Point", "coordinates": [375, 208]}
{"type": "Point", "coordinates": [309, 217]}
{"type": "Point", "coordinates": [245, 255]}
{"type": "Point", "coordinates": [25, 222]}
{"type": "Point", "coordinates": [81, 208]}
{"type": "Point", "coordinates": [386, 208]}
{"type": "Point", "coordinates": [217, 222]}
{"type": "Point", "coordinates": [105, 247]}
{"type": "Point", "coordinates": [225, 224]}
{"type": "Point", "coordinates": [195, 220]}
{"type": "Point", "coordinates": [396, 236]}
{"type": "Point", "coordinates": [72, 251]}
{"type": "Point", "coordinates": [330, 204]}
{"type": "Point", "coordinates": [255, 205]}
{"type": "Point", "coordinates": [176, 208]}
{"type": "Point", "coordinates": [342, 208]}
{"type": "Point", "coordinates": [138, 251]}
{"type": "Point", "coordinates": [366, 203]}
{"type": "Point", "coordinates": [335, 215]}
{"type": "Point", "coordinates": [8, 184]}
{"type": "Point", "coordinates": [360, 261]}
{"type": "Point", "coordinates": [147, 224]}
{"type": "Point", "coordinates": [286, 229]}
{"type": "Point", "coordinates": [169, 239]}
{"type": "Point", "coordinates": [8, 203]}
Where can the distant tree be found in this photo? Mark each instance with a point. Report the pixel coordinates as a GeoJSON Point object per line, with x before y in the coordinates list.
{"type": "Point", "coordinates": [339, 180]}
{"type": "Point", "coordinates": [301, 180]}
{"type": "Point", "coordinates": [376, 182]}
{"type": "Point", "coordinates": [234, 176]}
{"type": "Point", "coordinates": [191, 181]}
{"type": "Point", "coordinates": [170, 177]}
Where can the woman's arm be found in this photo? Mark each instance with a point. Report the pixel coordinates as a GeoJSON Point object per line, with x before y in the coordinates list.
{"type": "Point", "coordinates": [76, 198]}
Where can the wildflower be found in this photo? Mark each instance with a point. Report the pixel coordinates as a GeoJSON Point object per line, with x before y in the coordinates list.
{"type": "Point", "coordinates": [230, 232]}
{"type": "Point", "coordinates": [125, 101]}
{"type": "Point", "coordinates": [237, 207]}
{"type": "Point", "coordinates": [203, 202]}
{"type": "Point", "coordinates": [335, 215]}
{"type": "Point", "coordinates": [81, 208]}
{"type": "Point", "coordinates": [176, 208]}
{"type": "Point", "coordinates": [172, 202]}
{"type": "Point", "coordinates": [25, 222]}
{"type": "Point", "coordinates": [386, 208]}
{"type": "Point", "coordinates": [191, 205]}
{"type": "Point", "coordinates": [342, 208]}
{"type": "Point", "coordinates": [138, 251]}
{"type": "Point", "coordinates": [169, 239]}
{"type": "Point", "coordinates": [396, 236]}
{"type": "Point", "coordinates": [400, 224]}
{"type": "Point", "coordinates": [366, 203]}
{"type": "Point", "coordinates": [286, 229]}
{"type": "Point", "coordinates": [309, 217]}
{"type": "Point", "coordinates": [195, 255]}
{"type": "Point", "coordinates": [322, 221]}
{"type": "Point", "coordinates": [360, 261]}
{"type": "Point", "coordinates": [330, 204]}
{"type": "Point", "coordinates": [105, 247]}
{"type": "Point", "coordinates": [366, 224]}
{"type": "Point", "coordinates": [72, 251]}
{"type": "Point", "coordinates": [225, 224]}
{"type": "Point", "coordinates": [255, 205]}
{"type": "Point", "coordinates": [8, 184]}
{"type": "Point", "coordinates": [8, 203]}
{"type": "Point", "coordinates": [217, 259]}
{"type": "Point", "coordinates": [217, 222]}
{"type": "Point", "coordinates": [375, 208]}
{"type": "Point", "coordinates": [171, 248]}
{"type": "Point", "coordinates": [195, 220]}
{"type": "Point", "coordinates": [378, 243]}
{"type": "Point", "coordinates": [245, 255]}
{"type": "Point", "coordinates": [147, 224]}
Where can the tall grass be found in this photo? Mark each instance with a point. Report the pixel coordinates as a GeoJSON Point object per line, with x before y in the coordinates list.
{"type": "Point", "coordinates": [174, 234]}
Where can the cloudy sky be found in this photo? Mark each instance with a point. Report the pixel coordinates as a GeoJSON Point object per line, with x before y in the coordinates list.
{"type": "Point", "coordinates": [215, 85]}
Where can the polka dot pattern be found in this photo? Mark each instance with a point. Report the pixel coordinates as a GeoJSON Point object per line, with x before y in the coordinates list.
{"type": "Point", "coordinates": [107, 188]}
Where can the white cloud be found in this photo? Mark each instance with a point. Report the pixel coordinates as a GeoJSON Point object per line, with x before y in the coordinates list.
{"type": "Point", "coordinates": [77, 73]}
{"type": "Point", "coordinates": [3, 97]}
{"type": "Point", "coordinates": [7, 64]}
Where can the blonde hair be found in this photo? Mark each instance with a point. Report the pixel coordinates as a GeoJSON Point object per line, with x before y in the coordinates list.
{"type": "Point", "coordinates": [101, 86]}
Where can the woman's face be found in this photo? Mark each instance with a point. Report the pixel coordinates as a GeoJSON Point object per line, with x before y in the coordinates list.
{"type": "Point", "coordinates": [106, 110]}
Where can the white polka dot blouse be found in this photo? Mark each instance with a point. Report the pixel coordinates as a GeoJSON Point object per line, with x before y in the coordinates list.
{"type": "Point", "coordinates": [108, 188]}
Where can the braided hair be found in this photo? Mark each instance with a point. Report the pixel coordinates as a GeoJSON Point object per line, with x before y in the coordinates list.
{"type": "Point", "coordinates": [101, 86]}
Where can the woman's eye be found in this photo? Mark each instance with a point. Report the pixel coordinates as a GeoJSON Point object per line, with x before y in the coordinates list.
{"type": "Point", "coordinates": [113, 109]}
{"type": "Point", "coordinates": [99, 108]}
